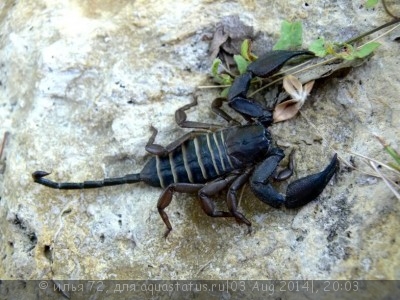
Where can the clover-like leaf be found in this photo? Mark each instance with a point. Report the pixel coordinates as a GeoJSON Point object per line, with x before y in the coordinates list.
{"type": "Point", "coordinates": [371, 3]}
{"type": "Point", "coordinates": [367, 49]}
{"type": "Point", "coordinates": [318, 47]}
{"type": "Point", "coordinates": [291, 36]}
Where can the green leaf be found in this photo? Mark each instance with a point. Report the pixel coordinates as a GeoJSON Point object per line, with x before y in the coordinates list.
{"type": "Point", "coordinates": [241, 63]}
{"type": "Point", "coordinates": [245, 51]}
{"type": "Point", "coordinates": [371, 3]}
{"type": "Point", "coordinates": [225, 92]}
{"type": "Point", "coordinates": [351, 53]}
{"type": "Point", "coordinates": [214, 67]}
{"type": "Point", "coordinates": [394, 166]}
{"type": "Point", "coordinates": [318, 47]}
{"type": "Point", "coordinates": [366, 49]}
{"type": "Point", "coordinates": [291, 36]}
{"type": "Point", "coordinates": [393, 153]}
{"type": "Point", "coordinates": [331, 48]}
{"type": "Point", "coordinates": [225, 79]}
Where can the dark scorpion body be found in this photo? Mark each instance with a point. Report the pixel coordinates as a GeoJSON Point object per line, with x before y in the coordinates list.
{"type": "Point", "coordinates": [207, 163]}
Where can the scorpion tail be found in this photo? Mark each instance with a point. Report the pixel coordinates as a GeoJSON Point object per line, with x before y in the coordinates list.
{"type": "Point", "coordinates": [38, 177]}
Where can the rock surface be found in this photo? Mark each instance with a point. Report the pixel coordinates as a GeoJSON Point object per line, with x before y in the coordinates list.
{"type": "Point", "coordinates": [82, 81]}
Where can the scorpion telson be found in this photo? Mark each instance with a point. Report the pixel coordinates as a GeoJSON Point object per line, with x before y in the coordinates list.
{"type": "Point", "coordinates": [207, 163]}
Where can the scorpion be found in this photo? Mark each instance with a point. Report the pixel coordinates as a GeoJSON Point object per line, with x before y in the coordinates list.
{"type": "Point", "coordinates": [214, 159]}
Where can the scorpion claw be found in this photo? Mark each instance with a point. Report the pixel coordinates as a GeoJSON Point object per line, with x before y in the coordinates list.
{"type": "Point", "coordinates": [306, 189]}
{"type": "Point", "coordinates": [299, 192]}
{"type": "Point", "coordinates": [272, 61]}
{"type": "Point", "coordinates": [264, 66]}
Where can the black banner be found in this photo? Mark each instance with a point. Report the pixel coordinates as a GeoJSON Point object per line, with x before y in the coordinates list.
{"type": "Point", "coordinates": [200, 289]}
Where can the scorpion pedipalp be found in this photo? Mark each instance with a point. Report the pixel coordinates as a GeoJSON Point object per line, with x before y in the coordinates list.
{"type": "Point", "coordinates": [266, 65]}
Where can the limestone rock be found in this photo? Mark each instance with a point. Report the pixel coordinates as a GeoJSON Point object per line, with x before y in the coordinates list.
{"type": "Point", "coordinates": [82, 81]}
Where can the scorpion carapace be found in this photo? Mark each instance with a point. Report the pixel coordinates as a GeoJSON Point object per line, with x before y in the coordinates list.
{"type": "Point", "coordinates": [209, 162]}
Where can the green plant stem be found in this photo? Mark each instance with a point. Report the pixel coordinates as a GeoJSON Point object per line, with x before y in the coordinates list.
{"type": "Point", "coordinates": [332, 58]}
{"type": "Point", "coordinates": [355, 39]}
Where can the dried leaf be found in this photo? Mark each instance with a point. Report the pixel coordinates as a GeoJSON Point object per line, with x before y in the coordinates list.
{"type": "Point", "coordinates": [308, 87]}
{"type": "Point", "coordinates": [236, 28]}
{"type": "Point", "coordinates": [229, 35]}
{"type": "Point", "coordinates": [286, 110]}
{"type": "Point", "coordinates": [292, 86]}
{"type": "Point", "coordinates": [219, 39]}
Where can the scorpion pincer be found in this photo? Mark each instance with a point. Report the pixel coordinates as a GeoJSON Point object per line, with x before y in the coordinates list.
{"type": "Point", "coordinates": [222, 158]}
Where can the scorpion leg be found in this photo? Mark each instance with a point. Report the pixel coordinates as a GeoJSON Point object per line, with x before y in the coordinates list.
{"type": "Point", "coordinates": [180, 118]}
{"type": "Point", "coordinates": [232, 198]}
{"type": "Point", "coordinates": [160, 150]}
{"type": "Point", "coordinates": [205, 191]}
{"type": "Point", "coordinates": [211, 189]}
{"type": "Point", "coordinates": [216, 108]}
{"type": "Point", "coordinates": [166, 198]}
{"type": "Point", "coordinates": [299, 192]}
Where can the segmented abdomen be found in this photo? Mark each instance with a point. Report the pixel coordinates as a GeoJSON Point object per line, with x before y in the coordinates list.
{"type": "Point", "coordinates": [198, 160]}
